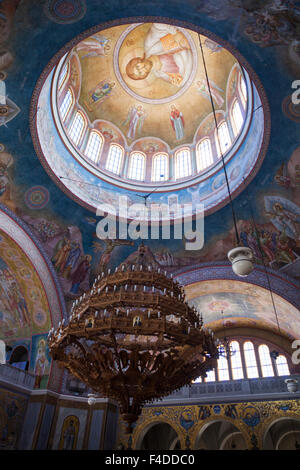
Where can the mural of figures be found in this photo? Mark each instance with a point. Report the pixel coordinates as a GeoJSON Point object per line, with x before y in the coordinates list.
{"type": "Point", "coordinates": [177, 122]}
{"type": "Point", "coordinates": [40, 360]}
{"type": "Point", "coordinates": [100, 93]}
{"type": "Point", "coordinates": [135, 119]}
{"type": "Point", "coordinates": [216, 91]}
{"type": "Point", "coordinates": [69, 433]}
{"type": "Point", "coordinates": [72, 259]}
{"type": "Point", "coordinates": [106, 251]}
{"type": "Point", "coordinates": [284, 215]}
{"type": "Point", "coordinates": [165, 54]}
{"type": "Point", "coordinates": [95, 46]}
{"type": "Point", "coordinates": [80, 273]}
{"type": "Point", "coordinates": [62, 249]}
{"type": "Point", "coordinates": [12, 411]}
{"type": "Point", "coordinates": [6, 162]}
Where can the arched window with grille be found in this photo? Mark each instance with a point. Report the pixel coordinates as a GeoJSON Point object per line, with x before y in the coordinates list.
{"type": "Point", "coordinates": [265, 361]}
{"type": "Point", "coordinates": [66, 104]}
{"type": "Point", "coordinates": [63, 75]}
{"type": "Point", "coordinates": [94, 146]}
{"type": "Point", "coordinates": [137, 166]}
{"type": "Point", "coordinates": [204, 154]}
{"type": "Point", "coordinates": [224, 138]}
{"type": "Point", "coordinates": [77, 128]}
{"type": "Point", "coordinates": [160, 167]}
{"type": "Point", "coordinates": [236, 361]}
{"type": "Point", "coordinates": [223, 372]}
{"type": "Point", "coordinates": [236, 117]}
{"type": "Point", "coordinates": [114, 159]}
{"type": "Point", "coordinates": [282, 365]}
{"type": "Point", "coordinates": [250, 360]}
{"type": "Point", "coordinates": [183, 163]}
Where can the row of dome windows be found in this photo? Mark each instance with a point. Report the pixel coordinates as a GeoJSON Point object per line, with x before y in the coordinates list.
{"type": "Point", "coordinates": [247, 362]}
{"type": "Point", "coordinates": [160, 165]}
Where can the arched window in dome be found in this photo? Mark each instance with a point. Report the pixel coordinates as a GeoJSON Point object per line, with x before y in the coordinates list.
{"type": "Point", "coordinates": [160, 167]}
{"type": "Point", "coordinates": [265, 361]}
{"type": "Point", "coordinates": [224, 138]}
{"type": "Point", "coordinates": [114, 159]}
{"type": "Point", "coordinates": [243, 90]}
{"type": "Point", "coordinates": [236, 361]}
{"type": "Point", "coordinates": [223, 371]}
{"type": "Point", "coordinates": [183, 163]}
{"type": "Point", "coordinates": [204, 154]}
{"type": "Point", "coordinates": [236, 117]}
{"type": "Point", "coordinates": [66, 104]}
{"type": "Point", "coordinates": [94, 146]}
{"type": "Point", "coordinates": [250, 360]}
{"type": "Point", "coordinates": [77, 128]}
{"type": "Point", "coordinates": [137, 166]}
{"type": "Point", "coordinates": [63, 75]}
{"type": "Point", "coordinates": [282, 365]}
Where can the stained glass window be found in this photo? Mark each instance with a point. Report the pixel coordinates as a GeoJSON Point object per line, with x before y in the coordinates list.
{"type": "Point", "coordinates": [63, 75]}
{"type": "Point", "coordinates": [236, 361]}
{"type": "Point", "coordinates": [282, 365]}
{"type": "Point", "coordinates": [224, 138]}
{"type": "Point", "coordinates": [204, 154]}
{"type": "Point", "coordinates": [94, 146]}
{"type": "Point", "coordinates": [223, 372]}
{"type": "Point", "coordinates": [265, 361]}
{"type": "Point", "coordinates": [183, 164]}
{"type": "Point", "coordinates": [66, 104]}
{"type": "Point", "coordinates": [114, 159]}
{"type": "Point", "coordinates": [77, 128]}
{"type": "Point", "coordinates": [237, 117]}
{"type": "Point", "coordinates": [160, 167]}
{"type": "Point", "coordinates": [137, 166]}
{"type": "Point", "coordinates": [250, 360]}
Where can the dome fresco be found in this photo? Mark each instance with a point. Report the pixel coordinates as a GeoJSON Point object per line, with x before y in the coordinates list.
{"type": "Point", "coordinates": [113, 130]}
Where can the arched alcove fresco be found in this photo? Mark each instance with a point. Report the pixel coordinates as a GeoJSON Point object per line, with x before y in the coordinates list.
{"type": "Point", "coordinates": [282, 434]}
{"type": "Point", "coordinates": [30, 301]}
{"type": "Point", "coordinates": [220, 435]}
{"type": "Point", "coordinates": [158, 436]}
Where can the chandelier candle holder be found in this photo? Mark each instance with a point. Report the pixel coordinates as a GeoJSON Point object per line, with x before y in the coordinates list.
{"type": "Point", "coordinates": [133, 338]}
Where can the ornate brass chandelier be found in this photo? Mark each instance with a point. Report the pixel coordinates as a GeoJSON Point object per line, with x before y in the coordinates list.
{"type": "Point", "coordinates": [134, 338]}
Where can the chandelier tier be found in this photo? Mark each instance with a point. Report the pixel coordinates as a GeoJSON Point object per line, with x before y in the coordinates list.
{"type": "Point", "coordinates": [134, 338]}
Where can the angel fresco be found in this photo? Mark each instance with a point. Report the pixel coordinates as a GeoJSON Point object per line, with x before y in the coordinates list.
{"type": "Point", "coordinates": [167, 55]}
{"type": "Point", "coordinates": [203, 89]}
{"type": "Point", "coordinates": [285, 215]}
{"type": "Point", "coordinates": [94, 46]}
{"type": "Point", "coordinates": [135, 118]}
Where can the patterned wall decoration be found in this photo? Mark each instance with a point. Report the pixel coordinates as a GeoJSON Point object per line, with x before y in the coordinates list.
{"type": "Point", "coordinates": [252, 419]}
{"type": "Point", "coordinates": [12, 412]}
{"type": "Point", "coordinates": [65, 11]}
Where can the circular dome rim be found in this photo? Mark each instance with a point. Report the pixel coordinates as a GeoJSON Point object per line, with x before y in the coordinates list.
{"type": "Point", "coordinates": [180, 23]}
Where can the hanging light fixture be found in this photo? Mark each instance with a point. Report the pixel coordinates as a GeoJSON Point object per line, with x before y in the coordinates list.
{"type": "Point", "coordinates": [241, 257]}
{"type": "Point", "coordinates": [130, 341]}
